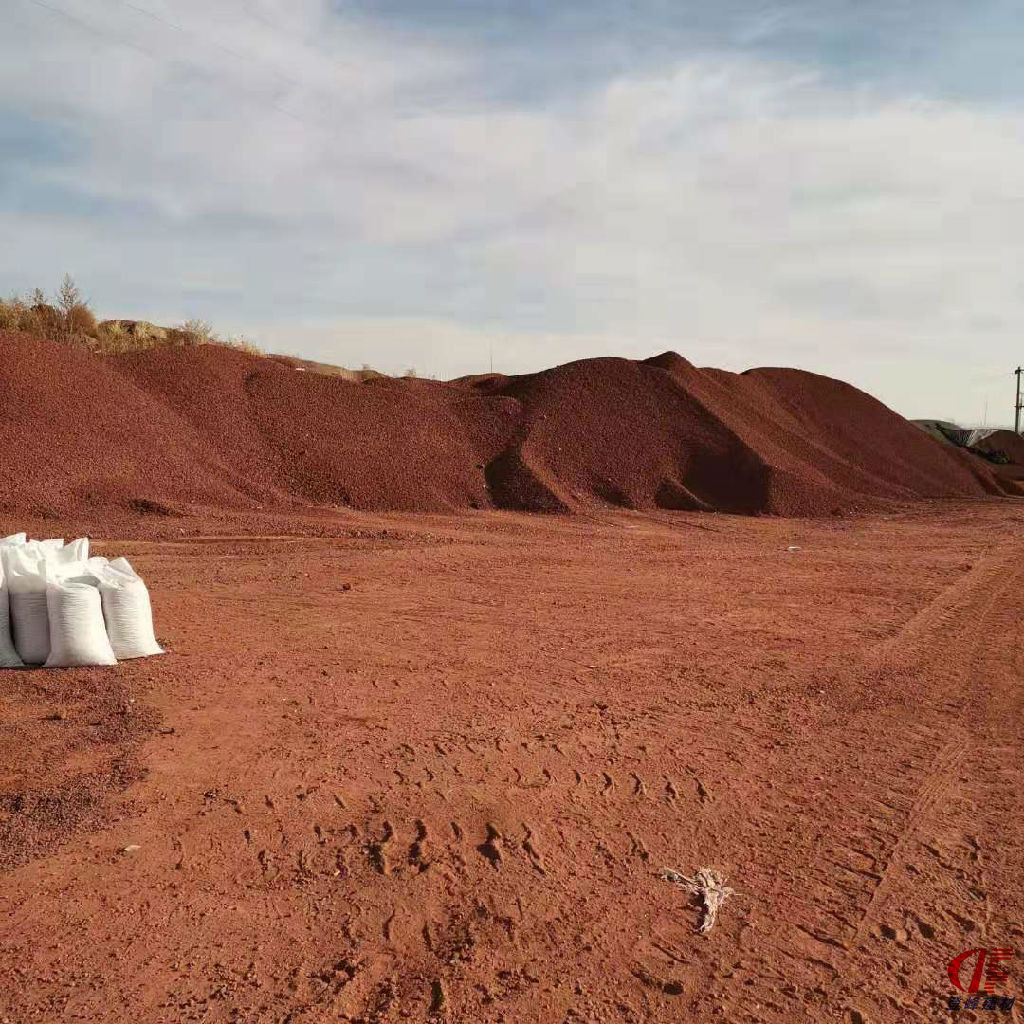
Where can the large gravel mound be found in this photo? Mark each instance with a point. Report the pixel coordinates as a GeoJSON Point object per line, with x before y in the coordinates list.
{"type": "Point", "coordinates": [215, 426]}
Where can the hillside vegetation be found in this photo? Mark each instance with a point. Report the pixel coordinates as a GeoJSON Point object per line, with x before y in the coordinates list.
{"type": "Point", "coordinates": [67, 318]}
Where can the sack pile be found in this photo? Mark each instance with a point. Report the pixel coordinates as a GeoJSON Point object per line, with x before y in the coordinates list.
{"type": "Point", "coordinates": [60, 608]}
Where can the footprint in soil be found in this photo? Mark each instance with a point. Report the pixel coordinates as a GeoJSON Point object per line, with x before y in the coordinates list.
{"type": "Point", "coordinates": [491, 847]}
{"type": "Point", "coordinates": [417, 852]}
{"type": "Point", "coordinates": [530, 846]}
{"type": "Point", "coordinates": [378, 850]}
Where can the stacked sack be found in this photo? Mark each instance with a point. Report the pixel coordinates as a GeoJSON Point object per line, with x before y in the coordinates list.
{"type": "Point", "coordinates": [60, 608]}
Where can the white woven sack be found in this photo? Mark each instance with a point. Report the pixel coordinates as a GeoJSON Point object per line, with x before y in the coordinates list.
{"type": "Point", "coordinates": [26, 567]}
{"type": "Point", "coordinates": [128, 612]}
{"type": "Point", "coordinates": [91, 567]}
{"type": "Point", "coordinates": [26, 586]}
{"type": "Point", "coordinates": [38, 549]}
{"type": "Point", "coordinates": [8, 654]}
{"type": "Point", "coordinates": [77, 633]}
{"type": "Point", "coordinates": [46, 546]}
{"type": "Point", "coordinates": [76, 551]}
{"type": "Point", "coordinates": [16, 540]}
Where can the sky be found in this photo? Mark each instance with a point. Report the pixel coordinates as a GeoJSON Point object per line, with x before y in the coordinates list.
{"type": "Point", "coordinates": [447, 185]}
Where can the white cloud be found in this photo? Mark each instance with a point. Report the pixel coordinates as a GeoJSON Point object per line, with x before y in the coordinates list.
{"type": "Point", "coordinates": [740, 212]}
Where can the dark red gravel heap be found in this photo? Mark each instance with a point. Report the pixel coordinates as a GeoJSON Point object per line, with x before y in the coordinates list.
{"type": "Point", "coordinates": [214, 426]}
{"type": "Point", "coordinates": [76, 433]}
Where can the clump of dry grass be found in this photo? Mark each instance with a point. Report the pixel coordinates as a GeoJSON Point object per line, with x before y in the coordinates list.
{"type": "Point", "coordinates": [708, 886]}
{"type": "Point", "coordinates": [240, 343]}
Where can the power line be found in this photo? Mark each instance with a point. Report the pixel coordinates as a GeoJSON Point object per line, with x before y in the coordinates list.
{"type": "Point", "coordinates": [119, 40]}
{"type": "Point", "coordinates": [208, 42]}
{"type": "Point", "coordinates": [327, 131]}
{"type": "Point", "coordinates": [246, 8]}
{"type": "Point", "coordinates": [91, 29]}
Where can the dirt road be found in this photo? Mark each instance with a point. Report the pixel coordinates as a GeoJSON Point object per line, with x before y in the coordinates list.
{"type": "Point", "coordinates": [434, 770]}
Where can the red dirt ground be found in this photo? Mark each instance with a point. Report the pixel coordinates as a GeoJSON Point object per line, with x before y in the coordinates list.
{"type": "Point", "coordinates": [410, 768]}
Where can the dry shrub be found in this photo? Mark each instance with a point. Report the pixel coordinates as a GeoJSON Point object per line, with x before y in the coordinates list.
{"type": "Point", "coordinates": [15, 314]}
{"type": "Point", "coordinates": [66, 319]}
{"type": "Point", "coordinates": [243, 345]}
{"type": "Point", "coordinates": [50, 321]}
{"type": "Point", "coordinates": [194, 332]}
{"type": "Point", "coordinates": [114, 343]}
{"type": "Point", "coordinates": [80, 320]}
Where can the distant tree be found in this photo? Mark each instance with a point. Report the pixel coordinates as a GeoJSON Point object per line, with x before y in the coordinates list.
{"type": "Point", "coordinates": [68, 296]}
{"type": "Point", "coordinates": [77, 318]}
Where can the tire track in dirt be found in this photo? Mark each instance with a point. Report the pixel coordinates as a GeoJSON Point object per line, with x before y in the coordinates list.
{"type": "Point", "coordinates": [944, 644]}
{"type": "Point", "coordinates": [941, 777]}
{"type": "Point", "coordinates": [952, 618]}
{"type": "Point", "coordinates": [905, 871]}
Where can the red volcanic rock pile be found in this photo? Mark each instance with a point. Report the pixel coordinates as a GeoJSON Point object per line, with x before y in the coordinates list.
{"type": "Point", "coordinates": [287, 435]}
{"type": "Point", "coordinates": [1005, 444]}
{"type": "Point", "coordinates": [214, 426]}
{"type": "Point", "coordinates": [75, 432]}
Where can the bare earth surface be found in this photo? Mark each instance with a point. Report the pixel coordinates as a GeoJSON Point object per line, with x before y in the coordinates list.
{"type": "Point", "coordinates": [432, 767]}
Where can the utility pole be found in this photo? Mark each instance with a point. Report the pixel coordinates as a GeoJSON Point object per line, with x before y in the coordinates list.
{"type": "Point", "coordinates": [1017, 407]}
